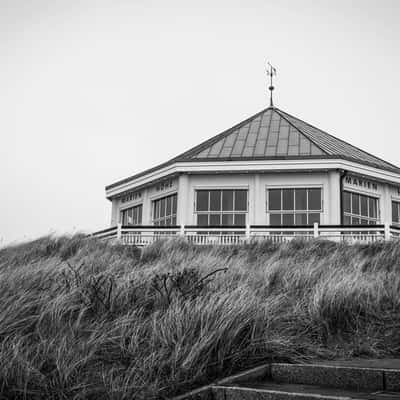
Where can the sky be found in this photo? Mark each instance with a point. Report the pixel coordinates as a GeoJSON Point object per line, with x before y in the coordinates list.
{"type": "Point", "coordinates": [92, 91]}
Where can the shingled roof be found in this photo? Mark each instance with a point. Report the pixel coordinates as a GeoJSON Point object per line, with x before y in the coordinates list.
{"type": "Point", "coordinates": [272, 134]}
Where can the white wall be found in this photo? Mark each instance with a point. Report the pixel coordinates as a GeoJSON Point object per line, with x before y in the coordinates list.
{"type": "Point", "coordinates": [257, 185]}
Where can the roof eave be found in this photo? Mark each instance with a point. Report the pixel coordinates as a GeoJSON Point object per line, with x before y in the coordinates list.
{"type": "Point", "coordinates": [173, 171]}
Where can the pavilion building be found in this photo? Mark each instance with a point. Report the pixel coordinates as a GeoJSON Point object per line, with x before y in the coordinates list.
{"type": "Point", "coordinates": [271, 169]}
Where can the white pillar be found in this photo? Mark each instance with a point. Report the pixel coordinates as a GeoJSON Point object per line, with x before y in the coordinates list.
{"type": "Point", "coordinates": [146, 210]}
{"type": "Point", "coordinates": [387, 231]}
{"type": "Point", "coordinates": [386, 205]}
{"type": "Point", "coordinates": [334, 198]}
{"type": "Point", "coordinates": [316, 230]}
{"type": "Point", "coordinates": [119, 230]}
{"type": "Point", "coordinates": [257, 205]}
{"type": "Point", "coordinates": [183, 196]}
{"type": "Point", "coordinates": [114, 212]}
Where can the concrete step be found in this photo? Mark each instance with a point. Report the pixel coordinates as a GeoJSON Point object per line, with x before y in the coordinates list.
{"type": "Point", "coordinates": [356, 374]}
{"type": "Point", "coordinates": [276, 391]}
{"type": "Point", "coordinates": [338, 380]}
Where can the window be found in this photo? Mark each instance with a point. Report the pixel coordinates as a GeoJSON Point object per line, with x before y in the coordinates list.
{"type": "Point", "coordinates": [396, 212]}
{"type": "Point", "coordinates": [294, 206]}
{"type": "Point", "coordinates": [221, 207]}
{"type": "Point", "coordinates": [131, 216]}
{"type": "Point", "coordinates": [164, 211]}
{"type": "Point", "coordinates": [359, 209]}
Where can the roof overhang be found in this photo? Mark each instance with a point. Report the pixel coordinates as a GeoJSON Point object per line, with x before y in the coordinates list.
{"type": "Point", "coordinates": [253, 166]}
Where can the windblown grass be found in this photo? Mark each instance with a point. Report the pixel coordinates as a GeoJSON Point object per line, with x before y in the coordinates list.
{"type": "Point", "coordinates": [82, 319]}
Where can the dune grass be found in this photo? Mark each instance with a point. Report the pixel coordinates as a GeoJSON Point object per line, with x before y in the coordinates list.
{"type": "Point", "coordinates": [82, 319]}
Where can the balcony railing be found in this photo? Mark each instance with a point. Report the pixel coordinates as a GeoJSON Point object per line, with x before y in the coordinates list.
{"type": "Point", "coordinates": [224, 235]}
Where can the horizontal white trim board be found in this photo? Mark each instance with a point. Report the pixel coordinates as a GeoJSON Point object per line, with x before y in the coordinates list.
{"type": "Point", "coordinates": [256, 166]}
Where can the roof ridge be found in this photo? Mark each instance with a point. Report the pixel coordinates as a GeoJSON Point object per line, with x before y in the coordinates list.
{"type": "Point", "coordinates": [334, 137]}
{"type": "Point", "coordinates": [300, 130]}
{"type": "Point", "coordinates": [218, 137]}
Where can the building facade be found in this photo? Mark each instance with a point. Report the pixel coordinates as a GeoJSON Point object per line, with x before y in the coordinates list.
{"type": "Point", "coordinates": [273, 170]}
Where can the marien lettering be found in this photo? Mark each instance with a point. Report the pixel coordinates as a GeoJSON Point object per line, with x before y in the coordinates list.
{"type": "Point", "coordinates": [361, 183]}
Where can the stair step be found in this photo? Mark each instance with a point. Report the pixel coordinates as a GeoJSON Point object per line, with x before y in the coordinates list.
{"type": "Point", "coordinates": [276, 391]}
{"type": "Point", "coordinates": [327, 380]}
{"type": "Point", "coordinates": [347, 375]}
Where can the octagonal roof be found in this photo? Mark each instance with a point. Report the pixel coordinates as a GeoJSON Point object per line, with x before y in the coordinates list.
{"type": "Point", "coordinates": [272, 134]}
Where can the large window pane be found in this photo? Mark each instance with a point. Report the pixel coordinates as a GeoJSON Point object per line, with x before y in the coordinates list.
{"type": "Point", "coordinates": [164, 211]}
{"type": "Point", "coordinates": [139, 221]}
{"type": "Point", "coordinates": [174, 204]}
{"type": "Point", "coordinates": [301, 202]}
{"type": "Point", "coordinates": [169, 206]}
{"type": "Point", "coordinates": [363, 209]}
{"type": "Point", "coordinates": [301, 199]}
{"type": "Point", "coordinates": [202, 219]}
{"type": "Point", "coordinates": [313, 218]}
{"type": "Point", "coordinates": [215, 219]}
{"type": "Point", "coordinates": [132, 216]}
{"type": "Point", "coordinates": [288, 219]}
{"type": "Point", "coordinates": [220, 207]}
{"type": "Point", "coordinates": [364, 206]}
{"type": "Point", "coordinates": [202, 200]}
{"type": "Point", "coordinates": [301, 219]}
{"type": "Point", "coordinates": [241, 200]}
{"type": "Point", "coordinates": [395, 212]}
{"type": "Point", "coordinates": [215, 200]}
{"type": "Point", "coordinates": [227, 219]}
{"type": "Point", "coordinates": [314, 199]}
{"type": "Point", "coordinates": [274, 199]}
{"type": "Point", "coordinates": [162, 208]}
{"type": "Point", "coordinates": [240, 219]}
{"type": "Point", "coordinates": [275, 219]}
{"type": "Point", "coordinates": [288, 199]}
{"type": "Point", "coordinates": [373, 209]}
{"type": "Point", "coordinates": [346, 202]}
{"type": "Point", "coordinates": [227, 200]}
{"type": "Point", "coordinates": [355, 203]}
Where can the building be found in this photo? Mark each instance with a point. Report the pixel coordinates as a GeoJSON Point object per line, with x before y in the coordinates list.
{"type": "Point", "coordinates": [270, 174]}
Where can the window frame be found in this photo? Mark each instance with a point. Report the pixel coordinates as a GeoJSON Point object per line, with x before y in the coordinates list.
{"type": "Point", "coordinates": [351, 215]}
{"type": "Point", "coordinates": [125, 209]}
{"type": "Point", "coordinates": [173, 216]}
{"type": "Point", "coordinates": [282, 212]}
{"type": "Point", "coordinates": [397, 202]}
{"type": "Point", "coordinates": [220, 213]}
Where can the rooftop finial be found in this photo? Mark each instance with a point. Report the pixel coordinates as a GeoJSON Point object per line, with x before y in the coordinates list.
{"type": "Point", "coordinates": [271, 72]}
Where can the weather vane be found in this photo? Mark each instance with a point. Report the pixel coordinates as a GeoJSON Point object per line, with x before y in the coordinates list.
{"type": "Point", "coordinates": [271, 72]}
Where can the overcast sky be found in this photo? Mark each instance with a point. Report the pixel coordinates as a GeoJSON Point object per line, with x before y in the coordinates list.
{"type": "Point", "coordinates": [92, 91]}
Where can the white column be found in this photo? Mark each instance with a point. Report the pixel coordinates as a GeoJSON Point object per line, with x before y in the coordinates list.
{"type": "Point", "coordinates": [333, 208]}
{"type": "Point", "coordinates": [386, 205]}
{"type": "Point", "coordinates": [114, 212]}
{"type": "Point", "coordinates": [183, 197]}
{"type": "Point", "coordinates": [146, 211]}
{"type": "Point", "coordinates": [257, 208]}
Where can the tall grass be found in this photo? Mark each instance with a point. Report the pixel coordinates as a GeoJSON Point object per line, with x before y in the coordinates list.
{"type": "Point", "coordinates": [83, 319]}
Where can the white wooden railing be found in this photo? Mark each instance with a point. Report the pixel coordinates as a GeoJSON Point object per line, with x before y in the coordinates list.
{"type": "Point", "coordinates": [145, 235]}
